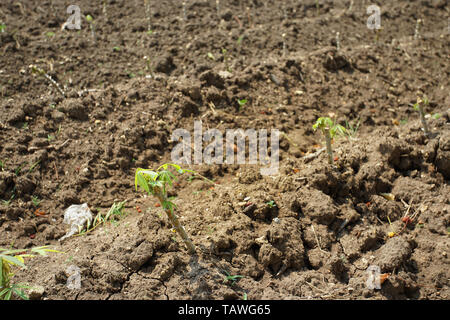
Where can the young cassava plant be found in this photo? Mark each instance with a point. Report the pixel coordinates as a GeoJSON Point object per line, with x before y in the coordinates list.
{"type": "Point", "coordinates": [329, 129]}
{"type": "Point", "coordinates": [155, 183]}
{"type": "Point", "coordinates": [15, 257]}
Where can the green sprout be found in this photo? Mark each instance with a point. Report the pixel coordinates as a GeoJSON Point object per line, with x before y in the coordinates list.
{"type": "Point", "coordinates": [15, 257]}
{"type": "Point", "coordinates": [36, 201]}
{"type": "Point", "coordinates": [242, 103]}
{"type": "Point", "coordinates": [240, 39]}
{"type": "Point", "coordinates": [116, 211]}
{"type": "Point", "coordinates": [116, 49]}
{"type": "Point", "coordinates": [2, 28]}
{"type": "Point", "coordinates": [329, 130]}
{"type": "Point", "coordinates": [90, 20]}
{"type": "Point", "coordinates": [50, 34]}
{"type": "Point", "coordinates": [418, 107]}
{"type": "Point", "coordinates": [211, 56]}
{"type": "Point", "coordinates": [8, 202]}
{"type": "Point", "coordinates": [271, 204]}
{"type": "Point", "coordinates": [18, 170]}
{"type": "Point", "coordinates": [351, 128]}
{"type": "Point", "coordinates": [155, 183]}
{"type": "Point", "coordinates": [2, 165]}
{"type": "Point", "coordinates": [226, 59]}
{"type": "Point", "coordinates": [33, 166]}
{"type": "Point", "coordinates": [231, 279]}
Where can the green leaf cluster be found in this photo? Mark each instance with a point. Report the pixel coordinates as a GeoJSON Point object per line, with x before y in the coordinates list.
{"type": "Point", "coordinates": [156, 182]}
{"type": "Point", "coordinates": [326, 123]}
{"type": "Point", "coordinates": [15, 257]}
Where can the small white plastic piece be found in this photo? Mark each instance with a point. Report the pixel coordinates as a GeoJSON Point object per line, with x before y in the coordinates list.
{"type": "Point", "coordinates": [76, 216]}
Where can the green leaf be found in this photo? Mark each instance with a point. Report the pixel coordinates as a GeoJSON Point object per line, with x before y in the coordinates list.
{"type": "Point", "coordinates": [242, 102]}
{"type": "Point", "coordinates": [337, 129]}
{"type": "Point", "coordinates": [43, 250]}
{"type": "Point", "coordinates": [164, 166]}
{"type": "Point", "coordinates": [8, 295]}
{"type": "Point", "coordinates": [436, 116]}
{"type": "Point", "coordinates": [168, 205]}
{"type": "Point", "coordinates": [4, 291]}
{"type": "Point", "coordinates": [166, 176]}
{"type": "Point", "coordinates": [140, 180]}
{"type": "Point", "coordinates": [322, 123]}
{"type": "Point", "coordinates": [12, 260]}
{"type": "Point", "coordinates": [20, 293]}
{"type": "Point", "coordinates": [1, 272]}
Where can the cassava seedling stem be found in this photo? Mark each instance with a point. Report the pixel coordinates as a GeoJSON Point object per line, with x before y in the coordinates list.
{"type": "Point", "coordinates": [162, 197]}
{"type": "Point", "coordinates": [419, 108]}
{"type": "Point", "coordinates": [155, 183]}
{"type": "Point", "coordinates": [329, 130]}
{"type": "Point", "coordinates": [326, 132]}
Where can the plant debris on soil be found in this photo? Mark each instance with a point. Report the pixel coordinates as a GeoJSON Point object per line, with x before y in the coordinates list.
{"type": "Point", "coordinates": [100, 107]}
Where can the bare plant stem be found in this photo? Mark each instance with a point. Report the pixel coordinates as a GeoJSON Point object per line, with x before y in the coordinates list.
{"type": "Point", "coordinates": [416, 31]}
{"type": "Point", "coordinates": [423, 120]}
{"type": "Point", "coordinates": [176, 224]}
{"type": "Point", "coordinates": [326, 132]}
{"type": "Point", "coordinates": [147, 14]}
{"type": "Point", "coordinates": [41, 72]}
